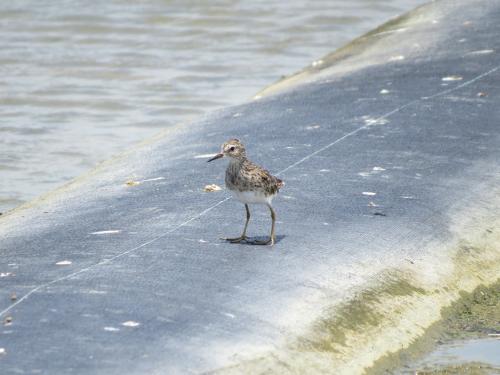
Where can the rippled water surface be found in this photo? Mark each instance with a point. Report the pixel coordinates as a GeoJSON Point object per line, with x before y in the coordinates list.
{"type": "Point", "coordinates": [82, 80]}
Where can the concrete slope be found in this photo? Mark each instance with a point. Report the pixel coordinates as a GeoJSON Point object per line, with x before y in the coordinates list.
{"type": "Point", "coordinates": [390, 153]}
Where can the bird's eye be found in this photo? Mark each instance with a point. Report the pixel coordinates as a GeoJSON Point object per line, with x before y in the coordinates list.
{"type": "Point", "coordinates": [232, 148]}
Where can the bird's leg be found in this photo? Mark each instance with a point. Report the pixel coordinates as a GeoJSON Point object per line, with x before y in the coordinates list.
{"type": "Point", "coordinates": [243, 236]}
{"type": "Point", "coordinates": [270, 241]}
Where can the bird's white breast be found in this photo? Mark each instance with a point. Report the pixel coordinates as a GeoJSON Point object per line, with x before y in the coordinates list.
{"type": "Point", "coordinates": [249, 196]}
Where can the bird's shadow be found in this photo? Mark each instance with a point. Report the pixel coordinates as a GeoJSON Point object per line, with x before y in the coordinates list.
{"type": "Point", "coordinates": [251, 240]}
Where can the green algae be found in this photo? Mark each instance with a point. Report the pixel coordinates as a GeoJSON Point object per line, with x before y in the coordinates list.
{"type": "Point", "coordinates": [355, 315]}
{"type": "Point", "coordinates": [474, 368]}
{"type": "Point", "coordinates": [474, 315]}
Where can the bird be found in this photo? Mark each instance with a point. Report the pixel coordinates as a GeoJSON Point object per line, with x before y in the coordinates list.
{"type": "Point", "coordinates": [250, 184]}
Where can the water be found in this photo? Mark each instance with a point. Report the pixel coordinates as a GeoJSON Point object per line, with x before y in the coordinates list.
{"type": "Point", "coordinates": [485, 351]}
{"type": "Point", "coordinates": [82, 80]}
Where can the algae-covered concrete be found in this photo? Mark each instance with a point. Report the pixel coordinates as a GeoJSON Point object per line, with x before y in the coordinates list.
{"type": "Point", "coordinates": [390, 152]}
{"type": "Point", "coordinates": [464, 341]}
{"type": "Point", "coordinates": [469, 342]}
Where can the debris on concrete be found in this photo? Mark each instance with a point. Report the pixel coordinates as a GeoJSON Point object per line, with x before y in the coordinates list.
{"type": "Point", "coordinates": [211, 188]}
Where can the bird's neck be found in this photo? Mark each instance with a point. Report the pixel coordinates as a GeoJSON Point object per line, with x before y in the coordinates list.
{"type": "Point", "coordinates": [236, 161]}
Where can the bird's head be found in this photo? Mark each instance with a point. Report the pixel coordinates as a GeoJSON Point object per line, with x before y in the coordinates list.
{"type": "Point", "coordinates": [233, 149]}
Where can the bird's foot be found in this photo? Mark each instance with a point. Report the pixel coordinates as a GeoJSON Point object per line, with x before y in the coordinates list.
{"type": "Point", "coordinates": [269, 242]}
{"type": "Point", "coordinates": [236, 239]}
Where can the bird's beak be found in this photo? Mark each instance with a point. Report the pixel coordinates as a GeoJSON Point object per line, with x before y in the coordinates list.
{"type": "Point", "coordinates": [218, 156]}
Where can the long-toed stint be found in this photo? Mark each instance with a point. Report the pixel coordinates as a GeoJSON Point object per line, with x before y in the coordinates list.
{"type": "Point", "coordinates": [249, 183]}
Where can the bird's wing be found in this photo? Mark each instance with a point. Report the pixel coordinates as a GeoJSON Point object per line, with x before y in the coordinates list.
{"type": "Point", "coordinates": [262, 178]}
